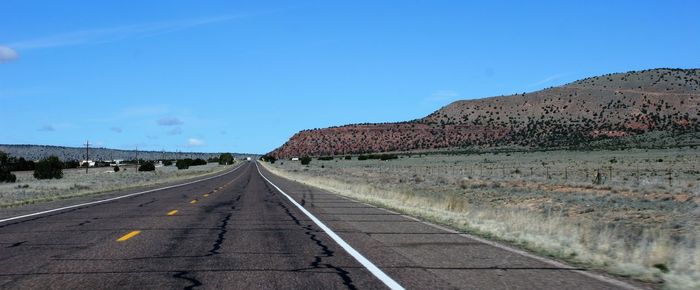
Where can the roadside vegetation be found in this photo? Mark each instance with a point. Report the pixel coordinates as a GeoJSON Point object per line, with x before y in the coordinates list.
{"type": "Point", "coordinates": [633, 212]}
{"type": "Point", "coordinates": [51, 179]}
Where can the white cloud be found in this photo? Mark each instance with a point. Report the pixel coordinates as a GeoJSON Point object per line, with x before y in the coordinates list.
{"type": "Point", "coordinates": [169, 121]}
{"type": "Point", "coordinates": [114, 34]}
{"type": "Point", "coordinates": [7, 54]}
{"type": "Point", "coordinates": [194, 142]}
{"type": "Point", "coordinates": [442, 95]}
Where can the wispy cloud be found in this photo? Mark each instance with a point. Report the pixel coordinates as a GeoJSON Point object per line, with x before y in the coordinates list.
{"type": "Point", "coordinates": [116, 129]}
{"type": "Point", "coordinates": [194, 142]}
{"type": "Point", "coordinates": [546, 80]}
{"type": "Point", "coordinates": [114, 34]}
{"type": "Point", "coordinates": [46, 128]}
{"type": "Point", "coordinates": [7, 54]}
{"type": "Point", "coordinates": [175, 131]}
{"type": "Point", "coordinates": [169, 121]}
{"type": "Point", "coordinates": [442, 95]}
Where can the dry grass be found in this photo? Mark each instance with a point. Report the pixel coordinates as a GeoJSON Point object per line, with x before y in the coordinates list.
{"type": "Point", "coordinates": [75, 182]}
{"type": "Point", "coordinates": [645, 229]}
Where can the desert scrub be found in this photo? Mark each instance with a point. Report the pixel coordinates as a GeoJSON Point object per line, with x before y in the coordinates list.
{"type": "Point", "coordinates": [635, 223]}
{"type": "Point", "coordinates": [76, 183]}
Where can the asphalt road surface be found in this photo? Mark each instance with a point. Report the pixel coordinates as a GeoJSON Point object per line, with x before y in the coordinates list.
{"type": "Point", "coordinates": [239, 231]}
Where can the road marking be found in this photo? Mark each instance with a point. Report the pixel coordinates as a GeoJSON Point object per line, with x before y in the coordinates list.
{"type": "Point", "coordinates": [128, 236]}
{"type": "Point", "coordinates": [193, 201]}
{"type": "Point", "coordinates": [172, 212]}
{"type": "Point", "coordinates": [599, 277]}
{"type": "Point", "coordinates": [388, 281]}
{"type": "Point", "coordinates": [116, 198]}
{"type": "Point", "coordinates": [206, 194]}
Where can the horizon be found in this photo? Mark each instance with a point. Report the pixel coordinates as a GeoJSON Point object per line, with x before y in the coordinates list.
{"type": "Point", "coordinates": [245, 77]}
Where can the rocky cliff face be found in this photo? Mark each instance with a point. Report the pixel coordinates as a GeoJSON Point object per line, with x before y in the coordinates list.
{"type": "Point", "coordinates": [608, 106]}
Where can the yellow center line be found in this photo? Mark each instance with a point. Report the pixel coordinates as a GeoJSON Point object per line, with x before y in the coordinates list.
{"type": "Point", "coordinates": [128, 236]}
{"type": "Point", "coordinates": [172, 212]}
{"type": "Point", "coordinates": [206, 194]}
{"type": "Point", "coordinates": [193, 201]}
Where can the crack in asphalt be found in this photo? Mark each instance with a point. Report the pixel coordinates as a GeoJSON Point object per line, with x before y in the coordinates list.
{"type": "Point", "coordinates": [16, 244]}
{"type": "Point", "coordinates": [220, 237]}
{"type": "Point", "coordinates": [194, 282]}
{"type": "Point", "coordinates": [147, 203]}
{"type": "Point", "coordinates": [326, 252]}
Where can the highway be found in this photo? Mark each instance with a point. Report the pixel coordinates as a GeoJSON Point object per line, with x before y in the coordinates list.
{"type": "Point", "coordinates": [249, 229]}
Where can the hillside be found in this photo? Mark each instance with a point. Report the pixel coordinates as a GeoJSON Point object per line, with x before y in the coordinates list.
{"type": "Point", "coordinates": [36, 152]}
{"type": "Point", "coordinates": [614, 106]}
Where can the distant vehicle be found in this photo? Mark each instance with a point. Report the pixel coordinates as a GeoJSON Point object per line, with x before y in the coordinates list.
{"type": "Point", "coordinates": [295, 158]}
{"type": "Point", "coordinates": [248, 159]}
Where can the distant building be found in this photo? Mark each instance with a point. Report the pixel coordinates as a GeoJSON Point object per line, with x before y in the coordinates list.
{"type": "Point", "coordinates": [116, 162]}
{"type": "Point", "coordinates": [295, 158]}
{"type": "Point", "coordinates": [89, 163]}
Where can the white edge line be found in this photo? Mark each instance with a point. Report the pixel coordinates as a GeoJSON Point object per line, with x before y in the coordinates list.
{"type": "Point", "coordinates": [596, 276]}
{"type": "Point", "coordinates": [115, 198]}
{"type": "Point", "coordinates": [388, 281]}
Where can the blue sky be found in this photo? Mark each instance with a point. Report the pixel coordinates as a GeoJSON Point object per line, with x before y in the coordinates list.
{"type": "Point", "coordinates": [244, 76]}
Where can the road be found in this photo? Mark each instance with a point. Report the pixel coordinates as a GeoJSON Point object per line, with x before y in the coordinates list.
{"type": "Point", "coordinates": [239, 231]}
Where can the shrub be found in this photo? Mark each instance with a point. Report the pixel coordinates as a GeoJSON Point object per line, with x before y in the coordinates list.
{"type": "Point", "coordinates": [197, 162]}
{"type": "Point", "coordinates": [362, 157]}
{"type": "Point", "coordinates": [326, 158]}
{"type": "Point", "coordinates": [182, 164]}
{"type": "Point", "coordinates": [49, 168]}
{"type": "Point", "coordinates": [116, 168]}
{"type": "Point", "coordinates": [148, 166]}
{"type": "Point", "coordinates": [226, 159]}
{"type": "Point", "coordinates": [167, 162]}
{"type": "Point", "coordinates": [305, 160]}
{"type": "Point", "coordinates": [348, 157]}
{"type": "Point", "coordinates": [5, 174]}
{"type": "Point", "coordinates": [388, 156]}
{"type": "Point", "coordinates": [19, 164]}
{"type": "Point", "coordinates": [268, 158]}
{"type": "Point", "coordinates": [71, 164]}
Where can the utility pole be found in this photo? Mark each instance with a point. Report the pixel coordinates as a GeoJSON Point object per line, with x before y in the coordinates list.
{"type": "Point", "coordinates": [87, 155]}
{"type": "Point", "coordinates": [137, 157]}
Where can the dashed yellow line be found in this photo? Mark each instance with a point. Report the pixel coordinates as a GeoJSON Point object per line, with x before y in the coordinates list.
{"type": "Point", "coordinates": [193, 201]}
{"type": "Point", "coordinates": [172, 212]}
{"type": "Point", "coordinates": [128, 236]}
{"type": "Point", "coordinates": [206, 194]}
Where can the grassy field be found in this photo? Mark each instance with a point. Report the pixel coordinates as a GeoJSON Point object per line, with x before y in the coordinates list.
{"type": "Point", "coordinates": [75, 182]}
{"type": "Point", "coordinates": [633, 213]}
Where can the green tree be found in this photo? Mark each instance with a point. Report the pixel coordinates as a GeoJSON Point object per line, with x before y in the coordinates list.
{"type": "Point", "coordinates": [49, 168]}
{"type": "Point", "coordinates": [226, 159]}
{"type": "Point", "coordinates": [305, 160]}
